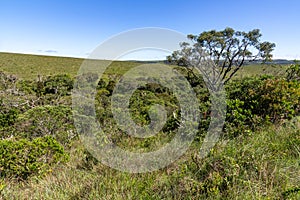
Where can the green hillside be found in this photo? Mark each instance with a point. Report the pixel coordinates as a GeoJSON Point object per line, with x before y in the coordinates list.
{"type": "Point", "coordinates": [26, 66]}
{"type": "Point", "coordinates": [42, 156]}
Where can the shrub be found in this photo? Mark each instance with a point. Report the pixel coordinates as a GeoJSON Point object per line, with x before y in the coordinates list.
{"type": "Point", "coordinates": [23, 158]}
{"type": "Point", "coordinates": [259, 100]}
{"type": "Point", "coordinates": [47, 120]}
{"type": "Point", "coordinates": [61, 84]}
{"type": "Point", "coordinates": [27, 86]}
{"type": "Point", "coordinates": [8, 117]}
{"type": "Point", "coordinates": [279, 99]}
{"type": "Point", "coordinates": [238, 118]}
{"type": "Point", "coordinates": [293, 72]}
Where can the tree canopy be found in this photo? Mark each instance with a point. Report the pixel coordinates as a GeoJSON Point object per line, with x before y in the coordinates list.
{"type": "Point", "coordinates": [228, 49]}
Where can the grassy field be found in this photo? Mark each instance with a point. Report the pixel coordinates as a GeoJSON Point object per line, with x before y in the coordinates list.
{"type": "Point", "coordinates": [260, 164]}
{"type": "Point", "coordinates": [252, 70]}
{"type": "Point", "coordinates": [30, 66]}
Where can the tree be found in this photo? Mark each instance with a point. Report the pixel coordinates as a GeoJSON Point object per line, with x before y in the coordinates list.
{"type": "Point", "coordinates": [228, 49]}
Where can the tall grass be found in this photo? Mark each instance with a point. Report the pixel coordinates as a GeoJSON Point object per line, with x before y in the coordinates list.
{"type": "Point", "coordinates": [261, 165]}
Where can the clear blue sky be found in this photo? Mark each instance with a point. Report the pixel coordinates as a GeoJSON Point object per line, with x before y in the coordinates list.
{"type": "Point", "coordinates": [75, 28]}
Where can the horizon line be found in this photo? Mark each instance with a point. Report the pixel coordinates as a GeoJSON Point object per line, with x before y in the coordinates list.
{"type": "Point", "coordinates": [127, 60]}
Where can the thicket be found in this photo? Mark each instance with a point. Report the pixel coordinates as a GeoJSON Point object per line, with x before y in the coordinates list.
{"type": "Point", "coordinates": [36, 123]}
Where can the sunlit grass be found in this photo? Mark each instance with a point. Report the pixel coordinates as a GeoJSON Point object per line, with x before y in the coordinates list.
{"type": "Point", "coordinates": [262, 165]}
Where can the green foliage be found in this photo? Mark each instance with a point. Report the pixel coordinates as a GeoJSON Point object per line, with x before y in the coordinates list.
{"type": "Point", "coordinates": [293, 72]}
{"type": "Point", "coordinates": [279, 100]}
{"type": "Point", "coordinates": [255, 101]}
{"type": "Point", "coordinates": [27, 86]}
{"type": "Point", "coordinates": [47, 120]}
{"type": "Point", "coordinates": [140, 103]}
{"type": "Point", "coordinates": [60, 84]}
{"type": "Point", "coordinates": [239, 119]}
{"type": "Point", "coordinates": [262, 164]}
{"type": "Point", "coordinates": [8, 116]}
{"type": "Point", "coordinates": [227, 48]}
{"type": "Point", "coordinates": [255, 164]}
{"type": "Point", "coordinates": [23, 158]}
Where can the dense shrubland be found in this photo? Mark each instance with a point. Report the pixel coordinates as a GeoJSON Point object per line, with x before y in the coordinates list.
{"type": "Point", "coordinates": [256, 158]}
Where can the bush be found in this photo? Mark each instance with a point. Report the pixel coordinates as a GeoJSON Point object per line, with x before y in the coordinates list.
{"type": "Point", "coordinates": [61, 84]}
{"type": "Point", "coordinates": [238, 119]}
{"type": "Point", "coordinates": [278, 99]}
{"type": "Point", "coordinates": [259, 100]}
{"type": "Point", "coordinates": [47, 120]}
{"type": "Point", "coordinates": [22, 159]}
{"type": "Point", "coordinates": [27, 86]}
{"type": "Point", "coordinates": [293, 72]}
{"type": "Point", "coordinates": [8, 117]}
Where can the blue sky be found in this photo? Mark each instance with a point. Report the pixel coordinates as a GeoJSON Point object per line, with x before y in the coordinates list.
{"type": "Point", "coordinates": [75, 28]}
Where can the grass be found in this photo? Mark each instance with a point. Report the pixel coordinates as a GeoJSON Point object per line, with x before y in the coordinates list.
{"type": "Point", "coordinates": [29, 66]}
{"type": "Point", "coordinates": [26, 66]}
{"type": "Point", "coordinates": [252, 70]}
{"type": "Point", "coordinates": [263, 165]}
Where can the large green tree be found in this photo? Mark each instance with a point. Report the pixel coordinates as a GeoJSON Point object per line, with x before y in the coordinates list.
{"type": "Point", "coordinates": [228, 49]}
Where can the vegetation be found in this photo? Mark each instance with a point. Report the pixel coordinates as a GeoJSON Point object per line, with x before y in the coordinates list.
{"type": "Point", "coordinates": [23, 158]}
{"type": "Point", "coordinates": [42, 157]}
{"type": "Point", "coordinates": [228, 49]}
{"type": "Point", "coordinates": [28, 67]}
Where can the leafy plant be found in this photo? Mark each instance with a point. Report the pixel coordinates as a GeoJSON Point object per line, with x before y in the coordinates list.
{"type": "Point", "coordinates": [258, 100]}
{"type": "Point", "coordinates": [293, 72]}
{"type": "Point", "coordinates": [24, 158]}
{"type": "Point", "coordinates": [8, 116]}
{"type": "Point", "coordinates": [60, 84]}
{"type": "Point", "coordinates": [47, 120]}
